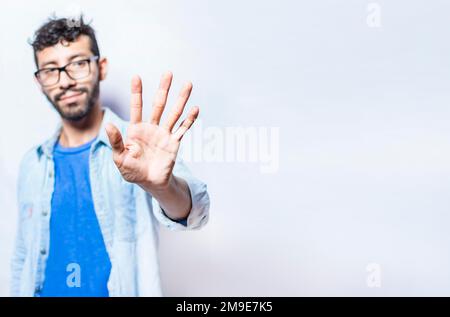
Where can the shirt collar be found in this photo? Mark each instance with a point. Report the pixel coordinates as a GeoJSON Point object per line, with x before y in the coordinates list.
{"type": "Point", "coordinates": [108, 117]}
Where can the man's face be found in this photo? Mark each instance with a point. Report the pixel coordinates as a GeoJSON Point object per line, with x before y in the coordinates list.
{"type": "Point", "coordinates": [73, 99]}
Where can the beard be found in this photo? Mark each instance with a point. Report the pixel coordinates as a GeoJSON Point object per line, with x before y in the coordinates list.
{"type": "Point", "coordinates": [77, 110]}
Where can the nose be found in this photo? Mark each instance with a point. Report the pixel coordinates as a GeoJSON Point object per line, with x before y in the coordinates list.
{"type": "Point", "coordinates": [65, 81]}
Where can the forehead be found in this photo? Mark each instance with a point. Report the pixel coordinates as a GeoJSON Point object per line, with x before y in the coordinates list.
{"type": "Point", "coordinates": [62, 52]}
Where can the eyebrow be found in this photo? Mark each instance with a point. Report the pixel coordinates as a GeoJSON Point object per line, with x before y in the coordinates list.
{"type": "Point", "coordinates": [70, 59]}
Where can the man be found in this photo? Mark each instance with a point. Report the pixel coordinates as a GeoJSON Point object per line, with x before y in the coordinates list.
{"type": "Point", "coordinates": [90, 198]}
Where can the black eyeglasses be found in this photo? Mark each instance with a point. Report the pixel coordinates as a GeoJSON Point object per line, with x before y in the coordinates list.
{"type": "Point", "coordinates": [75, 70]}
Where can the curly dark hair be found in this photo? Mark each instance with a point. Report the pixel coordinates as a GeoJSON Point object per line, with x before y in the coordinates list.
{"type": "Point", "coordinates": [62, 29]}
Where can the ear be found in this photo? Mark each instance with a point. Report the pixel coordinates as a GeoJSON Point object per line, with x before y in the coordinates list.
{"type": "Point", "coordinates": [38, 84]}
{"type": "Point", "coordinates": [103, 67]}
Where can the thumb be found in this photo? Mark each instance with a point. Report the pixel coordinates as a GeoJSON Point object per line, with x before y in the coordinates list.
{"type": "Point", "coordinates": [115, 138]}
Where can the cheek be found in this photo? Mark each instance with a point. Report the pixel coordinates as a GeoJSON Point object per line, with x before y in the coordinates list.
{"type": "Point", "coordinates": [50, 93]}
{"type": "Point", "coordinates": [89, 84]}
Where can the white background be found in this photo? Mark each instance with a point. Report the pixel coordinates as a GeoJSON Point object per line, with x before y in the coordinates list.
{"type": "Point", "coordinates": [364, 157]}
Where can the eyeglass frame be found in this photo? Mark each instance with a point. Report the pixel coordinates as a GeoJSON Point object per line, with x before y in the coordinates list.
{"type": "Point", "coordinates": [63, 69]}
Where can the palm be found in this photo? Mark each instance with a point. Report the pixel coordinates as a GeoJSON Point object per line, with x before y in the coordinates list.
{"type": "Point", "coordinates": [149, 152]}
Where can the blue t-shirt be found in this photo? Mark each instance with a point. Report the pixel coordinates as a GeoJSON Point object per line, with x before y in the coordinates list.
{"type": "Point", "coordinates": [77, 264]}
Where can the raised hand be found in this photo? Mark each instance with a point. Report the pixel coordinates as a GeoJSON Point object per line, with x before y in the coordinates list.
{"type": "Point", "coordinates": [147, 156]}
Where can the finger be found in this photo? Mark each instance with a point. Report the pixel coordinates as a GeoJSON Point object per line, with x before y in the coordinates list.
{"type": "Point", "coordinates": [115, 138]}
{"type": "Point", "coordinates": [161, 98]}
{"type": "Point", "coordinates": [177, 111]}
{"type": "Point", "coordinates": [136, 100]}
{"type": "Point", "coordinates": [187, 123]}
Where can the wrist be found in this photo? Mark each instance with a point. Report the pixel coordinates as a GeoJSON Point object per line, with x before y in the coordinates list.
{"type": "Point", "coordinates": [160, 188]}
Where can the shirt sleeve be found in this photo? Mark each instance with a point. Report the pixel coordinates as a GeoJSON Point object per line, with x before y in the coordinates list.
{"type": "Point", "coordinates": [20, 250]}
{"type": "Point", "coordinates": [199, 213]}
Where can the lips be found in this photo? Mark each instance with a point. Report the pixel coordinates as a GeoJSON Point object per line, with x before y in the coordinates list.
{"type": "Point", "coordinates": [71, 97]}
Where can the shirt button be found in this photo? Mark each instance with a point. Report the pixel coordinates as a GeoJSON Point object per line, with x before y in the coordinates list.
{"type": "Point", "coordinates": [43, 251]}
{"type": "Point", "coordinates": [50, 174]}
{"type": "Point", "coordinates": [44, 213]}
{"type": "Point", "coordinates": [37, 290]}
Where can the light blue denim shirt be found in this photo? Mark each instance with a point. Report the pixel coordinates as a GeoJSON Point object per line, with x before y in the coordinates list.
{"type": "Point", "coordinates": [128, 216]}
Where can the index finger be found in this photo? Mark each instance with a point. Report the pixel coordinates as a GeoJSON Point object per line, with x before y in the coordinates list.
{"type": "Point", "coordinates": [136, 100]}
